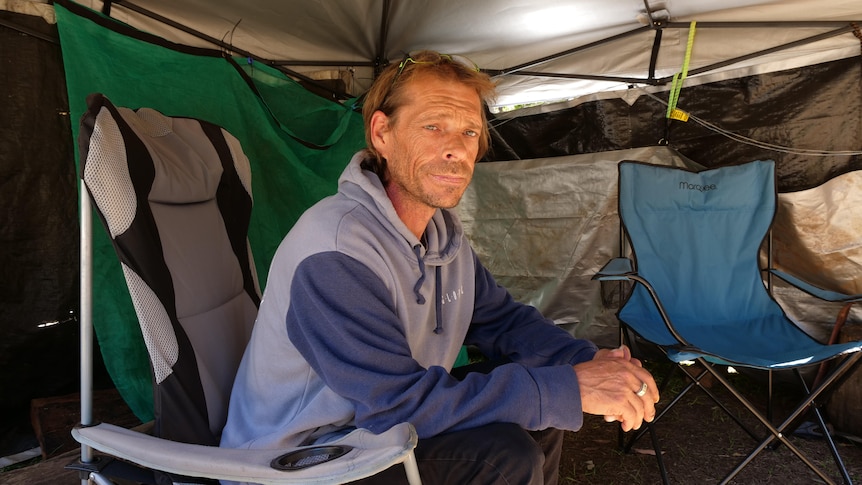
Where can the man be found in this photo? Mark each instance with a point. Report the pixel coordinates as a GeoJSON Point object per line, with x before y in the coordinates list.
{"type": "Point", "coordinates": [375, 289]}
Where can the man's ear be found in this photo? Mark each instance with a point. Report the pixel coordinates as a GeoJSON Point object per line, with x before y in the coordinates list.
{"type": "Point", "coordinates": [380, 128]}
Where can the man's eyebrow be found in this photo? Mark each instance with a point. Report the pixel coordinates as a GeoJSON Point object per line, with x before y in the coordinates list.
{"type": "Point", "coordinates": [437, 112]}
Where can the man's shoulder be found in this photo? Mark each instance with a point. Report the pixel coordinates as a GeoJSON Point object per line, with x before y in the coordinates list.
{"type": "Point", "coordinates": [332, 215]}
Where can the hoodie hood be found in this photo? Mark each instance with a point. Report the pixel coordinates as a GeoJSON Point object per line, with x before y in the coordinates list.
{"type": "Point", "coordinates": [443, 234]}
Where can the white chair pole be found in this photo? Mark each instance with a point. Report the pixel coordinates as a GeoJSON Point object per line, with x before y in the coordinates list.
{"type": "Point", "coordinates": [412, 469]}
{"type": "Point", "coordinates": [86, 316]}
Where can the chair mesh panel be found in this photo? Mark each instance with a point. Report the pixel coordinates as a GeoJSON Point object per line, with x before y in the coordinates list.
{"type": "Point", "coordinates": [112, 191]}
{"type": "Point", "coordinates": [155, 326]}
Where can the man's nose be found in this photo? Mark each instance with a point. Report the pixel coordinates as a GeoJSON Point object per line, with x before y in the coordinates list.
{"type": "Point", "coordinates": [455, 148]}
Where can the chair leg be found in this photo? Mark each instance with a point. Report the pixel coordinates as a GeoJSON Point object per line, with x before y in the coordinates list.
{"type": "Point", "coordinates": [709, 369]}
{"type": "Point", "coordinates": [769, 384]}
{"type": "Point", "coordinates": [412, 469]}
{"type": "Point", "coordinates": [658, 456]}
{"type": "Point", "coordinates": [815, 408]}
{"type": "Point", "coordinates": [778, 432]}
{"type": "Point", "coordinates": [626, 447]}
{"type": "Point", "coordinates": [650, 427]}
{"type": "Point", "coordinates": [694, 381]}
{"type": "Point", "coordinates": [98, 479]}
{"type": "Point", "coordinates": [832, 447]}
{"type": "Point", "coordinates": [775, 432]}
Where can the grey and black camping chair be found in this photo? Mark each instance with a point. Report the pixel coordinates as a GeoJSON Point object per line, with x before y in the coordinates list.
{"type": "Point", "coordinates": [174, 195]}
{"type": "Point", "coordinates": [698, 292]}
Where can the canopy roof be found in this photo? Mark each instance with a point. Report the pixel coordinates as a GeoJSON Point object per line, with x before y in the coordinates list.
{"type": "Point", "coordinates": [541, 50]}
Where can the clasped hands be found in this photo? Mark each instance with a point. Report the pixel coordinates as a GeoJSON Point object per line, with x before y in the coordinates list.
{"type": "Point", "coordinates": [616, 386]}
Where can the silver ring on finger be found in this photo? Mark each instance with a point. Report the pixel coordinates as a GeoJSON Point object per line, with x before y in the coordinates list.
{"type": "Point", "coordinates": [642, 391]}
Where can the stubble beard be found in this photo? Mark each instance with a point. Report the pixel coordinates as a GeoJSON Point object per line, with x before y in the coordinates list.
{"type": "Point", "coordinates": [443, 197]}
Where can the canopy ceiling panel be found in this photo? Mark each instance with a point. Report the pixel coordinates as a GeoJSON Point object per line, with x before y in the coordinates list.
{"type": "Point", "coordinates": [540, 50]}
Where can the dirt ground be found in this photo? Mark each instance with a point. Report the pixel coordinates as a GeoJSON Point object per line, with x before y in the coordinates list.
{"type": "Point", "coordinates": [700, 444]}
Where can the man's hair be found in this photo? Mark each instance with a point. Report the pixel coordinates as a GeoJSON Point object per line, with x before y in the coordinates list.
{"type": "Point", "coordinates": [387, 95]}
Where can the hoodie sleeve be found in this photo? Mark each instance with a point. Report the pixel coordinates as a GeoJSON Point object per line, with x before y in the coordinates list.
{"type": "Point", "coordinates": [341, 318]}
{"type": "Point", "coordinates": [503, 327]}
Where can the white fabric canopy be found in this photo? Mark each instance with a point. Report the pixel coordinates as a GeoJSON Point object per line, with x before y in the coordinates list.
{"type": "Point", "coordinates": [344, 38]}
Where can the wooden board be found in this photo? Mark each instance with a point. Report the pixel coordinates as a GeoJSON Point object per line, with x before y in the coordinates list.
{"type": "Point", "coordinates": [844, 409]}
{"type": "Point", "coordinates": [53, 418]}
{"type": "Point", "coordinates": [46, 472]}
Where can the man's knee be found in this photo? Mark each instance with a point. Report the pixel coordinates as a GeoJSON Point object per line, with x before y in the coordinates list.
{"type": "Point", "coordinates": [497, 453]}
{"type": "Point", "coordinates": [516, 446]}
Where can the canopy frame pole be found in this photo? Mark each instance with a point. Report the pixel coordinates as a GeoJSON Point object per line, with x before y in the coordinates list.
{"type": "Point", "coordinates": [231, 48]}
{"type": "Point", "coordinates": [845, 28]}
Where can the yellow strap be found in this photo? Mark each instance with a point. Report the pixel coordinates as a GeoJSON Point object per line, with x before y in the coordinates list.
{"type": "Point", "coordinates": [678, 78]}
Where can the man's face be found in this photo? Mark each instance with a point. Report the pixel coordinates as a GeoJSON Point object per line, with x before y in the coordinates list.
{"type": "Point", "coordinates": [431, 146]}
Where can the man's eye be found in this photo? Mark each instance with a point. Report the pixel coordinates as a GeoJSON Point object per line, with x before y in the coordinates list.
{"type": "Point", "coordinates": [471, 133]}
{"type": "Point", "coordinates": [431, 127]}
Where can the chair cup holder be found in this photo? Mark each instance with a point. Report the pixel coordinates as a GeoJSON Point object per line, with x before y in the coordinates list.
{"type": "Point", "coordinates": [308, 457]}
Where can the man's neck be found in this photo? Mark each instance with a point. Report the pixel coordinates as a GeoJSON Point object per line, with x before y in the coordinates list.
{"type": "Point", "coordinates": [413, 214]}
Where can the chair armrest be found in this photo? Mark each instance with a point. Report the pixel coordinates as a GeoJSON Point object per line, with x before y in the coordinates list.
{"type": "Point", "coordinates": [617, 269]}
{"type": "Point", "coordinates": [816, 291]}
{"type": "Point", "coordinates": [370, 454]}
{"type": "Point", "coordinates": [622, 269]}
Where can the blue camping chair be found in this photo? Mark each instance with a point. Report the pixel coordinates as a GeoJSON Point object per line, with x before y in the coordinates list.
{"type": "Point", "coordinates": [699, 295]}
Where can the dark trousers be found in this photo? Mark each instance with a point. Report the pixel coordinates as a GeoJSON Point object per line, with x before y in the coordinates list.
{"type": "Point", "coordinates": [500, 453]}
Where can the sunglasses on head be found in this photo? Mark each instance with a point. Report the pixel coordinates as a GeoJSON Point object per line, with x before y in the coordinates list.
{"type": "Point", "coordinates": [437, 59]}
{"type": "Point", "coordinates": [464, 61]}
{"type": "Point", "coordinates": [429, 59]}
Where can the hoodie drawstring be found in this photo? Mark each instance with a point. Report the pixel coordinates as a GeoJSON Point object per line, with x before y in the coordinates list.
{"type": "Point", "coordinates": [438, 308]}
{"type": "Point", "coordinates": [419, 298]}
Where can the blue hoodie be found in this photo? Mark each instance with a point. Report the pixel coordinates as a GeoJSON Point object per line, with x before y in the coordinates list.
{"type": "Point", "coordinates": [360, 324]}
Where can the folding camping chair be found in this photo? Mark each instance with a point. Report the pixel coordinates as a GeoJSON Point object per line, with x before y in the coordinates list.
{"type": "Point", "coordinates": [698, 293]}
{"type": "Point", "coordinates": [174, 194]}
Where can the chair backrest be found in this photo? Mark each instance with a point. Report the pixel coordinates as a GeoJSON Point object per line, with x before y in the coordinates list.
{"type": "Point", "coordinates": [174, 195]}
{"type": "Point", "coordinates": [696, 238]}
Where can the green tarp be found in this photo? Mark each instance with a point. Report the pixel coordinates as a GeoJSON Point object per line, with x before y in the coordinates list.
{"type": "Point", "coordinates": [279, 123]}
